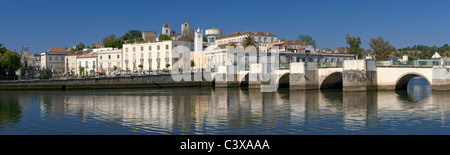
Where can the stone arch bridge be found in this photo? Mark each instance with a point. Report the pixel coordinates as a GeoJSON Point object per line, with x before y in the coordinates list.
{"type": "Point", "coordinates": [354, 75]}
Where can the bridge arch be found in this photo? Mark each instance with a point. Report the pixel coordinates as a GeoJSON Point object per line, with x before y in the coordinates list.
{"type": "Point", "coordinates": [333, 80]}
{"type": "Point", "coordinates": [284, 81]}
{"type": "Point", "coordinates": [402, 81]}
{"type": "Point", "coordinates": [244, 81]}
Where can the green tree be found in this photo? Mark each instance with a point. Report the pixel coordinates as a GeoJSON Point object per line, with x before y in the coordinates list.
{"type": "Point", "coordinates": [2, 49]}
{"type": "Point", "coordinates": [354, 45]}
{"type": "Point", "coordinates": [110, 37]}
{"type": "Point", "coordinates": [163, 37]}
{"type": "Point", "coordinates": [115, 43]}
{"type": "Point", "coordinates": [46, 73]}
{"type": "Point", "coordinates": [167, 66]}
{"type": "Point", "coordinates": [81, 70]}
{"type": "Point", "coordinates": [248, 41]}
{"type": "Point", "coordinates": [132, 34]}
{"type": "Point", "coordinates": [205, 39]}
{"type": "Point", "coordinates": [381, 48]}
{"type": "Point", "coordinates": [192, 63]}
{"type": "Point", "coordinates": [114, 68]}
{"type": "Point", "coordinates": [81, 46]}
{"type": "Point", "coordinates": [10, 62]}
{"type": "Point", "coordinates": [308, 39]}
{"type": "Point", "coordinates": [130, 41]}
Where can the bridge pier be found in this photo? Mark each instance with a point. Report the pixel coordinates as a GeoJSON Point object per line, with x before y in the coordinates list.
{"type": "Point", "coordinates": [303, 76]}
{"type": "Point", "coordinates": [440, 79]}
{"type": "Point", "coordinates": [359, 75]}
{"type": "Point", "coordinates": [254, 79]}
{"type": "Point", "coordinates": [227, 77]}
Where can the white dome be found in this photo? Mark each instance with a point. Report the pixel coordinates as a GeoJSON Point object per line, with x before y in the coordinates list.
{"type": "Point", "coordinates": [213, 32]}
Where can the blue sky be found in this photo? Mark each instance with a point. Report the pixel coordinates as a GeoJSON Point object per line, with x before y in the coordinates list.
{"type": "Point", "coordinates": [56, 23]}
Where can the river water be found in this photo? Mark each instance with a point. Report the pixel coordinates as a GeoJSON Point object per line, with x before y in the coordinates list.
{"type": "Point", "coordinates": [206, 111]}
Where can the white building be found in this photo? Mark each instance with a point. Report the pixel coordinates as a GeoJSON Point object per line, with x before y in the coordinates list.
{"type": "Point", "coordinates": [213, 34]}
{"type": "Point", "coordinates": [238, 37]}
{"type": "Point", "coordinates": [152, 56]}
{"type": "Point", "coordinates": [54, 59]}
{"type": "Point", "coordinates": [89, 63]}
{"type": "Point", "coordinates": [293, 46]}
{"type": "Point", "coordinates": [71, 62]}
{"type": "Point", "coordinates": [107, 59]}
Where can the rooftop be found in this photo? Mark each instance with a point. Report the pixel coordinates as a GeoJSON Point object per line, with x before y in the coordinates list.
{"type": "Point", "coordinates": [57, 50]}
{"type": "Point", "coordinates": [75, 53]}
{"type": "Point", "coordinates": [85, 55]}
{"type": "Point", "coordinates": [235, 34]}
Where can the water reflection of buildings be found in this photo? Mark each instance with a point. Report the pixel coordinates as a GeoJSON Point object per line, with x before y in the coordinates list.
{"type": "Point", "coordinates": [241, 111]}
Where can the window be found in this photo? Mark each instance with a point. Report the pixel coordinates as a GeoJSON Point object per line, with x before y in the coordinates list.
{"type": "Point", "coordinates": [118, 56]}
{"type": "Point", "coordinates": [100, 57]}
{"type": "Point", "coordinates": [109, 56]}
{"type": "Point", "coordinates": [157, 47]}
{"type": "Point", "coordinates": [126, 49]}
{"type": "Point", "coordinates": [50, 58]}
{"type": "Point", "coordinates": [142, 48]}
{"type": "Point", "coordinates": [167, 47]}
{"type": "Point", "coordinates": [149, 48]}
{"type": "Point", "coordinates": [134, 49]}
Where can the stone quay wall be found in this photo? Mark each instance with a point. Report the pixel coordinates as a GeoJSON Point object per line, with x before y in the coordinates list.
{"type": "Point", "coordinates": [151, 81]}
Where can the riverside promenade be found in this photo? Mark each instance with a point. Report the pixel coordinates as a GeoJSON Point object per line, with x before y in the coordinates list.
{"type": "Point", "coordinates": [149, 81]}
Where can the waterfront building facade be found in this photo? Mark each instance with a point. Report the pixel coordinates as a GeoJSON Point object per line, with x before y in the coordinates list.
{"type": "Point", "coordinates": [87, 64]}
{"type": "Point", "coordinates": [54, 59]}
{"type": "Point", "coordinates": [71, 62]}
{"type": "Point", "coordinates": [156, 56]}
{"type": "Point", "coordinates": [108, 60]}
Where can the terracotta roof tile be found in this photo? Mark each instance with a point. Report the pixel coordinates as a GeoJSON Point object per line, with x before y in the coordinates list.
{"type": "Point", "coordinates": [235, 34]}
{"type": "Point", "coordinates": [57, 50]}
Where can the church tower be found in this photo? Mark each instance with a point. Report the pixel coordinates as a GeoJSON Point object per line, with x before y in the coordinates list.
{"type": "Point", "coordinates": [198, 40]}
{"type": "Point", "coordinates": [184, 29]}
{"type": "Point", "coordinates": [166, 29]}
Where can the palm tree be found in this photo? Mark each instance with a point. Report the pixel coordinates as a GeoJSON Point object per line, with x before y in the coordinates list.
{"type": "Point", "coordinates": [248, 41]}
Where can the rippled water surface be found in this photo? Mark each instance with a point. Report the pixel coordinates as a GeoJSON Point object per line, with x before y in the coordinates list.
{"type": "Point", "coordinates": [416, 110]}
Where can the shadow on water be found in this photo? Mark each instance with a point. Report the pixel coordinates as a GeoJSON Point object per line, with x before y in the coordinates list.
{"type": "Point", "coordinates": [333, 95]}
{"type": "Point", "coordinates": [418, 90]}
{"type": "Point", "coordinates": [10, 110]}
